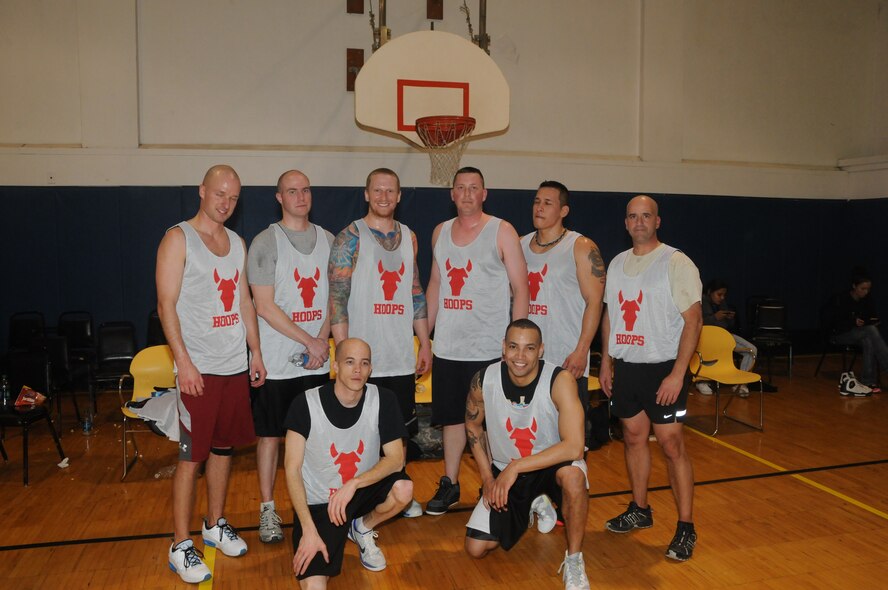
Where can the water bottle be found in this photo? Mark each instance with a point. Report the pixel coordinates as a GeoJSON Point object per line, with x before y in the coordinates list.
{"type": "Point", "coordinates": [299, 359]}
{"type": "Point", "coordinates": [4, 391]}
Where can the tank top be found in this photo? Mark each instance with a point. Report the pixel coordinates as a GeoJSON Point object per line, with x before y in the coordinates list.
{"type": "Point", "coordinates": [645, 323]}
{"type": "Point", "coordinates": [380, 305]}
{"type": "Point", "coordinates": [556, 304]}
{"type": "Point", "coordinates": [300, 290]}
{"type": "Point", "coordinates": [473, 301]}
{"type": "Point", "coordinates": [209, 305]}
{"type": "Point", "coordinates": [514, 431]}
{"type": "Point", "coordinates": [333, 456]}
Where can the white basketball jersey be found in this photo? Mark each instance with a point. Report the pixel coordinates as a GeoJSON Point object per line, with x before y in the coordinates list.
{"type": "Point", "coordinates": [556, 304]}
{"type": "Point", "coordinates": [209, 305]}
{"type": "Point", "coordinates": [333, 456]}
{"type": "Point", "coordinates": [380, 305]}
{"type": "Point", "coordinates": [300, 290]}
{"type": "Point", "coordinates": [473, 302]}
{"type": "Point", "coordinates": [645, 323]}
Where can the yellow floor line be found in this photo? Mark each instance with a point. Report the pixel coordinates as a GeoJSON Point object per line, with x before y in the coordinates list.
{"type": "Point", "coordinates": [801, 478]}
{"type": "Point", "coordinates": [210, 560]}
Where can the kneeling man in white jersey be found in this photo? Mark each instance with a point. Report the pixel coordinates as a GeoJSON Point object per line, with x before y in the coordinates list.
{"type": "Point", "coordinates": [345, 467]}
{"type": "Point", "coordinates": [532, 449]}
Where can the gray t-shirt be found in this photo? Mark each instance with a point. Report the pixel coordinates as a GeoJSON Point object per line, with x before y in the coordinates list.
{"type": "Point", "coordinates": [262, 257]}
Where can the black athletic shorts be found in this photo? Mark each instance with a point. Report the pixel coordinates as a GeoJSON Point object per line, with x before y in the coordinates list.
{"type": "Point", "coordinates": [635, 390]}
{"type": "Point", "coordinates": [404, 388]}
{"type": "Point", "coordinates": [450, 388]}
{"type": "Point", "coordinates": [507, 526]}
{"type": "Point", "coordinates": [271, 402]}
{"type": "Point", "coordinates": [334, 537]}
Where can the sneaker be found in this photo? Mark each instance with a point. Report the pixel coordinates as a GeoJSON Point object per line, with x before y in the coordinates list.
{"type": "Point", "coordinates": [413, 510]}
{"type": "Point", "coordinates": [850, 387]}
{"type": "Point", "coordinates": [223, 537]}
{"type": "Point", "coordinates": [574, 575]}
{"type": "Point", "coordinates": [633, 518]}
{"type": "Point", "coordinates": [704, 388]}
{"type": "Point", "coordinates": [545, 513]}
{"type": "Point", "coordinates": [742, 390]}
{"type": "Point", "coordinates": [371, 556]}
{"type": "Point", "coordinates": [445, 498]}
{"type": "Point", "coordinates": [270, 530]}
{"type": "Point", "coordinates": [875, 388]}
{"type": "Point", "coordinates": [682, 546]}
{"type": "Point", "coordinates": [187, 561]}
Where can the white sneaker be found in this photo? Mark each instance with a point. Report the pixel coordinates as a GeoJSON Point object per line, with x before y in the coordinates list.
{"type": "Point", "coordinates": [186, 560]}
{"type": "Point", "coordinates": [545, 513]}
{"type": "Point", "coordinates": [704, 388]}
{"type": "Point", "coordinates": [223, 537]}
{"type": "Point", "coordinates": [574, 575]}
{"type": "Point", "coordinates": [371, 555]}
{"type": "Point", "coordinates": [413, 510]}
{"type": "Point", "coordinates": [850, 387]}
{"type": "Point", "coordinates": [270, 530]}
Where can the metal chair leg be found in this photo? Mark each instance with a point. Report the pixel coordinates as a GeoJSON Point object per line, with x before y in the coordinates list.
{"type": "Point", "coordinates": [761, 424]}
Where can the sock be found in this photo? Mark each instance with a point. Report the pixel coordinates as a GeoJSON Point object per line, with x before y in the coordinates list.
{"type": "Point", "coordinates": [685, 525]}
{"type": "Point", "coordinates": [575, 556]}
{"type": "Point", "coordinates": [266, 505]}
{"type": "Point", "coordinates": [183, 544]}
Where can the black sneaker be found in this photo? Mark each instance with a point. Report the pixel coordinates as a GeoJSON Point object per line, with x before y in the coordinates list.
{"type": "Point", "coordinates": [682, 546]}
{"type": "Point", "coordinates": [633, 518]}
{"type": "Point", "coordinates": [445, 498]}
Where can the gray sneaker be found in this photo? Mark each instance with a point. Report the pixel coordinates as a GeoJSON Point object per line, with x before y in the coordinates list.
{"type": "Point", "coordinates": [574, 575]}
{"type": "Point", "coordinates": [270, 530]}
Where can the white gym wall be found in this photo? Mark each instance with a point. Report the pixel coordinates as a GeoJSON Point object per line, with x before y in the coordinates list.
{"type": "Point", "coordinates": [782, 98]}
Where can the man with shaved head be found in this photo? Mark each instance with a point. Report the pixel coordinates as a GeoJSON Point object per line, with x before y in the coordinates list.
{"type": "Point", "coordinates": [649, 332]}
{"type": "Point", "coordinates": [345, 467]}
{"type": "Point", "coordinates": [287, 266]}
{"type": "Point", "coordinates": [207, 319]}
{"type": "Point", "coordinates": [376, 294]}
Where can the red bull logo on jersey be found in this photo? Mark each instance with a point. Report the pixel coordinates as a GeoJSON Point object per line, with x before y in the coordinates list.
{"type": "Point", "coordinates": [227, 289]}
{"type": "Point", "coordinates": [630, 309]}
{"type": "Point", "coordinates": [522, 437]}
{"type": "Point", "coordinates": [347, 462]}
{"type": "Point", "coordinates": [390, 279]}
{"type": "Point", "coordinates": [534, 283]}
{"type": "Point", "coordinates": [457, 277]}
{"type": "Point", "coordinates": [307, 286]}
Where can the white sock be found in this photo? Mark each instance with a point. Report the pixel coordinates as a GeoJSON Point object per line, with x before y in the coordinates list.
{"type": "Point", "coordinates": [359, 524]}
{"type": "Point", "coordinates": [264, 505]}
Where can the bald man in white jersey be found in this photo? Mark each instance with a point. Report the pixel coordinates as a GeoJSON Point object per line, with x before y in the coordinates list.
{"type": "Point", "coordinates": [649, 333]}
{"type": "Point", "coordinates": [207, 318]}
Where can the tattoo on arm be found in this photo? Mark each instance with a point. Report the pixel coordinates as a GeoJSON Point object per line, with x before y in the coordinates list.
{"type": "Point", "coordinates": [597, 262]}
{"type": "Point", "coordinates": [343, 257]}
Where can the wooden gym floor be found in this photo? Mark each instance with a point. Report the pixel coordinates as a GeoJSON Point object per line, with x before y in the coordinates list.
{"type": "Point", "coordinates": [802, 505]}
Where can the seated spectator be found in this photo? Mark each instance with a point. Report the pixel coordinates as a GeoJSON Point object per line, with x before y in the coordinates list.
{"type": "Point", "coordinates": [717, 313]}
{"type": "Point", "coordinates": [855, 323]}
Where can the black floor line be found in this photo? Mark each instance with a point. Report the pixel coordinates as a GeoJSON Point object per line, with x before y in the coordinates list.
{"type": "Point", "coordinates": [169, 535]}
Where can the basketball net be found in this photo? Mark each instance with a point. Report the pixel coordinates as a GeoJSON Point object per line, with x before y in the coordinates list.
{"type": "Point", "coordinates": [445, 138]}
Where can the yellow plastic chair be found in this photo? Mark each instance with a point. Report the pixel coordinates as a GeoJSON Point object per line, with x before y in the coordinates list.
{"type": "Point", "coordinates": [332, 360]}
{"type": "Point", "coordinates": [714, 361]}
{"type": "Point", "coordinates": [151, 367]}
{"type": "Point", "coordinates": [423, 393]}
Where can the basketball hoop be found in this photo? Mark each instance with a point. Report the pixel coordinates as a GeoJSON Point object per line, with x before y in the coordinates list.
{"type": "Point", "coordinates": [445, 138]}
